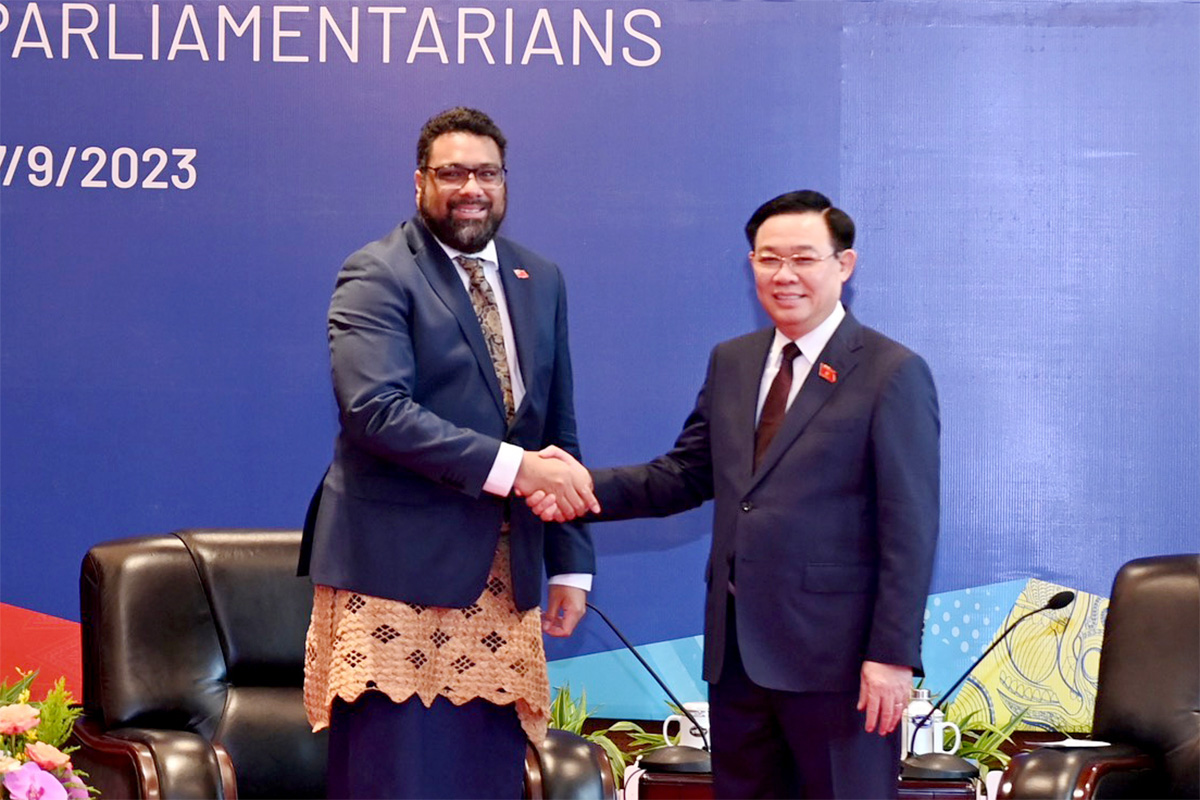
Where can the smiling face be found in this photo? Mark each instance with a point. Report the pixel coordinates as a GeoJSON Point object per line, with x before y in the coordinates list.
{"type": "Point", "coordinates": [468, 216]}
{"type": "Point", "coordinates": [797, 274]}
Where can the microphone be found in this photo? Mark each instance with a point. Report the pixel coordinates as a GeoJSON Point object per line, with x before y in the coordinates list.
{"type": "Point", "coordinates": [670, 758]}
{"type": "Point", "coordinates": [1060, 600]}
{"type": "Point", "coordinates": [946, 766]}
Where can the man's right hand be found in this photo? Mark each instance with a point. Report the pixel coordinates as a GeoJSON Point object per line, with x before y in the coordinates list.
{"type": "Point", "coordinates": [555, 485]}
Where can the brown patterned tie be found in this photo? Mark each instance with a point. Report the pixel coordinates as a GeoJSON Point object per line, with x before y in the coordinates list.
{"type": "Point", "coordinates": [493, 330]}
{"type": "Point", "coordinates": [775, 406]}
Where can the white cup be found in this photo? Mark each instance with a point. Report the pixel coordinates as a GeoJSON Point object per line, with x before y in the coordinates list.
{"type": "Point", "coordinates": [991, 783]}
{"type": "Point", "coordinates": [689, 734]}
{"type": "Point", "coordinates": [931, 738]}
{"type": "Point", "coordinates": [632, 780]}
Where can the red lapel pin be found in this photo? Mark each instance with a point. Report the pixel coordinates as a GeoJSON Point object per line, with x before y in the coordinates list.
{"type": "Point", "coordinates": [520, 273]}
{"type": "Point", "coordinates": [827, 372]}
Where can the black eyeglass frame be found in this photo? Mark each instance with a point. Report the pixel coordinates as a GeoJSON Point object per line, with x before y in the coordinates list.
{"type": "Point", "coordinates": [468, 173]}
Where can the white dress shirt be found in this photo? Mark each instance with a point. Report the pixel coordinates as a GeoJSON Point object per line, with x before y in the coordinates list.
{"type": "Point", "coordinates": [811, 344]}
{"type": "Point", "coordinates": [504, 470]}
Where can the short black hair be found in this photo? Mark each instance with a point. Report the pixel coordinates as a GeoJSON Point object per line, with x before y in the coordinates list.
{"type": "Point", "coordinates": [841, 227]}
{"type": "Point", "coordinates": [454, 120]}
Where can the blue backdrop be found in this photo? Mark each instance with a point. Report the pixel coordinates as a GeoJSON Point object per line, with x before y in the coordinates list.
{"type": "Point", "coordinates": [1026, 177]}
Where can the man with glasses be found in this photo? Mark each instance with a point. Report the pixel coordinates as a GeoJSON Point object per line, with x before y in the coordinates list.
{"type": "Point", "coordinates": [818, 439]}
{"type": "Point", "coordinates": [453, 381]}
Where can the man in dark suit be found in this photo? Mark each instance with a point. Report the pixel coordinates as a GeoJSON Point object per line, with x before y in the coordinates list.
{"type": "Point", "coordinates": [818, 440]}
{"type": "Point", "coordinates": [451, 368]}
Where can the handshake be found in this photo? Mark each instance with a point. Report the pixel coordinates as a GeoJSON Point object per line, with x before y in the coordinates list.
{"type": "Point", "coordinates": [555, 485]}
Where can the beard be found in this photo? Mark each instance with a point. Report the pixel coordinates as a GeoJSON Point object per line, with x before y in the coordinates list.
{"type": "Point", "coordinates": [467, 235]}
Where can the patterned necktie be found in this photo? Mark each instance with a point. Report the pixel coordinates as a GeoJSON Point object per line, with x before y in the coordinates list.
{"type": "Point", "coordinates": [489, 320]}
{"type": "Point", "coordinates": [775, 406]}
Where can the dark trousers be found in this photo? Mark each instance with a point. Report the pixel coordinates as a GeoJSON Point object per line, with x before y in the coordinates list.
{"type": "Point", "coordinates": [769, 743]}
{"type": "Point", "coordinates": [380, 749]}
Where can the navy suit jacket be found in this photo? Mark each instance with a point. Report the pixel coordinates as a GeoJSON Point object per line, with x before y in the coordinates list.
{"type": "Point", "coordinates": [831, 541]}
{"type": "Point", "coordinates": [401, 513]}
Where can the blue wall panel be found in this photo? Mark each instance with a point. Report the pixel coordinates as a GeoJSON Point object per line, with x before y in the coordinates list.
{"type": "Point", "coordinates": [1026, 176]}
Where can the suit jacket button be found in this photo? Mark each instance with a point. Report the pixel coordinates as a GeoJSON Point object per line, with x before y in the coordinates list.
{"type": "Point", "coordinates": [746, 505]}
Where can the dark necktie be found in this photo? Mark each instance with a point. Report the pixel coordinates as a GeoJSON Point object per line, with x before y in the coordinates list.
{"type": "Point", "coordinates": [488, 314]}
{"type": "Point", "coordinates": [775, 406]}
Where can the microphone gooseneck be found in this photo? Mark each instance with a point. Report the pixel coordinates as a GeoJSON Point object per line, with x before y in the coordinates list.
{"type": "Point", "coordinates": [653, 674]}
{"type": "Point", "coordinates": [1060, 600]}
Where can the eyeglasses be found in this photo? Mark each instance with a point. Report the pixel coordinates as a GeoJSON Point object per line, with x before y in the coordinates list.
{"type": "Point", "coordinates": [455, 176]}
{"type": "Point", "coordinates": [770, 262]}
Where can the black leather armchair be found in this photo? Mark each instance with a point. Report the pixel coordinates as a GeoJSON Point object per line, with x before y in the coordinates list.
{"type": "Point", "coordinates": [1147, 696]}
{"type": "Point", "coordinates": [193, 668]}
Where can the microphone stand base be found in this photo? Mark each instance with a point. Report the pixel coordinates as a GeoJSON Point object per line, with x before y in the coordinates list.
{"type": "Point", "coordinates": [676, 759]}
{"type": "Point", "coordinates": [938, 767]}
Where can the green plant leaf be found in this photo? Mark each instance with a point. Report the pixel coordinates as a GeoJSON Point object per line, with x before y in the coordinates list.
{"type": "Point", "coordinates": [57, 715]}
{"type": "Point", "coordinates": [565, 713]}
{"type": "Point", "coordinates": [983, 742]}
{"type": "Point", "coordinates": [647, 741]}
{"type": "Point", "coordinates": [616, 759]}
{"type": "Point", "coordinates": [12, 694]}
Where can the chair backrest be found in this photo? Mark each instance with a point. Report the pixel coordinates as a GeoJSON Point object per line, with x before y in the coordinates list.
{"type": "Point", "coordinates": [1148, 689]}
{"type": "Point", "coordinates": [203, 630]}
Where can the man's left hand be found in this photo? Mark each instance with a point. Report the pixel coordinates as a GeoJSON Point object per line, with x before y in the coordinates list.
{"type": "Point", "coordinates": [884, 692]}
{"type": "Point", "coordinates": [566, 606]}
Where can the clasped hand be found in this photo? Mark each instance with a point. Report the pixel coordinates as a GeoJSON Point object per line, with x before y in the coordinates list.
{"type": "Point", "coordinates": [555, 485]}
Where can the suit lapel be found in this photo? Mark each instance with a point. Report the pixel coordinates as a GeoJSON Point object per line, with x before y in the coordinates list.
{"type": "Point", "coordinates": [522, 309]}
{"type": "Point", "coordinates": [522, 314]}
{"type": "Point", "coordinates": [443, 277]}
{"type": "Point", "coordinates": [841, 355]}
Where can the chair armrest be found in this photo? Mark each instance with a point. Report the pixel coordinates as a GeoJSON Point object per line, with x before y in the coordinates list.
{"type": "Point", "coordinates": [152, 763]}
{"type": "Point", "coordinates": [568, 767]}
{"type": "Point", "coordinates": [117, 767]}
{"type": "Point", "coordinates": [1075, 773]}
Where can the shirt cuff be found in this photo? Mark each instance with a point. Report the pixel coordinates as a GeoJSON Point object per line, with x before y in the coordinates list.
{"type": "Point", "coordinates": [504, 470]}
{"type": "Point", "coordinates": [580, 580]}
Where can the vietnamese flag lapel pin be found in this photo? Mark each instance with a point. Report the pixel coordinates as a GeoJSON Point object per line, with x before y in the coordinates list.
{"type": "Point", "coordinates": [827, 372]}
{"type": "Point", "coordinates": [520, 273]}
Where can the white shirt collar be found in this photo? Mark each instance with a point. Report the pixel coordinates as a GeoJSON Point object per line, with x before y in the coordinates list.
{"type": "Point", "coordinates": [487, 254]}
{"type": "Point", "coordinates": [812, 343]}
